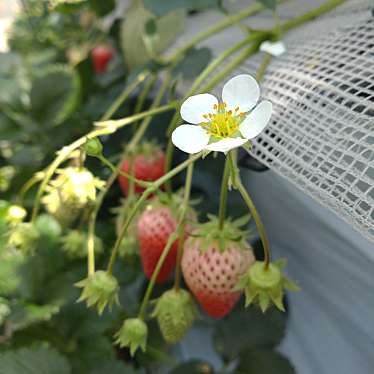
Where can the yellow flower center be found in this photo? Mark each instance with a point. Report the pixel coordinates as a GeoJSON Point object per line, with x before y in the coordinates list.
{"type": "Point", "coordinates": [223, 123]}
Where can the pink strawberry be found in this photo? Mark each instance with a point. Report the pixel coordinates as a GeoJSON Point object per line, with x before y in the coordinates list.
{"type": "Point", "coordinates": [148, 165]}
{"type": "Point", "coordinates": [212, 265]}
{"type": "Point", "coordinates": [154, 227]}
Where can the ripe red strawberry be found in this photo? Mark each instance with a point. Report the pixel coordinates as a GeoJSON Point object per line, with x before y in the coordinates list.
{"type": "Point", "coordinates": [154, 227]}
{"type": "Point", "coordinates": [101, 55]}
{"type": "Point", "coordinates": [212, 265]}
{"type": "Point", "coordinates": [149, 165]}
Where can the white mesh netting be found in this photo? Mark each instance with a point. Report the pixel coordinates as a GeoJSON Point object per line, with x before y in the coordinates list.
{"type": "Point", "coordinates": [321, 136]}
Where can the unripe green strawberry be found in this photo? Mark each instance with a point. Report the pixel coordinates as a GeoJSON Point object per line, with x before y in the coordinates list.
{"type": "Point", "coordinates": [175, 312]}
{"type": "Point", "coordinates": [133, 334]}
{"type": "Point", "coordinates": [24, 236]}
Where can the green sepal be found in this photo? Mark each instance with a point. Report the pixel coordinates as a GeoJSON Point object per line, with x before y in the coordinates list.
{"type": "Point", "coordinates": [209, 233]}
{"type": "Point", "coordinates": [99, 290]}
{"type": "Point", "coordinates": [133, 334]}
{"type": "Point", "coordinates": [265, 286]}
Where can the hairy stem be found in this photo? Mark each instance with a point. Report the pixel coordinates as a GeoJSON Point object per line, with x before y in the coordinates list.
{"type": "Point", "coordinates": [124, 95]}
{"type": "Point", "coordinates": [223, 197]}
{"type": "Point", "coordinates": [219, 26]}
{"type": "Point", "coordinates": [260, 226]}
{"type": "Point", "coordinates": [182, 220]}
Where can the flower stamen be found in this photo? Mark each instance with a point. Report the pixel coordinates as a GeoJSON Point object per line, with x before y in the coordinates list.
{"type": "Point", "coordinates": [222, 123]}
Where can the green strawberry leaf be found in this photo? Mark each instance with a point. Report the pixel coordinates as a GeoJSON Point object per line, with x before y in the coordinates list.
{"type": "Point", "coordinates": [256, 362]}
{"type": "Point", "coordinates": [139, 47]}
{"type": "Point", "coordinates": [247, 329]}
{"type": "Point", "coordinates": [193, 63]}
{"type": "Point", "coordinates": [33, 360]}
{"type": "Point", "coordinates": [55, 94]}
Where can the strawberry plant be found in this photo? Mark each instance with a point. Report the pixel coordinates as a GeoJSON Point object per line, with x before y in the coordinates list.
{"type": "Point", "coordinates": [98, 175]}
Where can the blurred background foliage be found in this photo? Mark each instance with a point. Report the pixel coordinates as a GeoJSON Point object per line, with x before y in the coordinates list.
{"type": "Point", "coordinates": [50, 94]}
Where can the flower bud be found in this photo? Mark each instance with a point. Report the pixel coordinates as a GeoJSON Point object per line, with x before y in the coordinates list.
{"type": "Point", "coordinates": [93, 147]}
{"type": "Point", "coordinates": [133, 334]}
{"type": "Point", "coordinates": [99, 289]}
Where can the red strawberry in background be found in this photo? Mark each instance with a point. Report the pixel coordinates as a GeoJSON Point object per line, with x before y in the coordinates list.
{"type": "Point", "coordinates": [212, 264]}
{"type": "Point", "coordinates": [148, 165]}
{"type": "Point", "coordinates": [101, 55]}
{"type": "Point", "coordinates": [154, 227]}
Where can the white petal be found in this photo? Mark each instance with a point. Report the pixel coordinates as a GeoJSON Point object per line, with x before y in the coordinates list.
{"type": "Point", "coordinates": [274, 49]}
{"type": "Point", "coordinates": [241, 91]}
{"type": "Point", "coordinates": [190, 138]}
{"type": "Point", "coordinates": [193, 109]}
{"type": "Point", "coordinates": [257, 120]}
{"type": "Point", "coordinates": [226, 145]}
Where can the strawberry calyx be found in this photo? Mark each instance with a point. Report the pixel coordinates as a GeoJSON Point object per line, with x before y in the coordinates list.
{"type": "Point", "coordinates": [265, 285]}
{"type": "Point", "coordinates": [99, 290]}
{"type": "Point", "coordinates": [175, 311]}
{"type": "Point", "coordinates": [133, 334]}
{"type": "Point", "coordinates": [209, 233]}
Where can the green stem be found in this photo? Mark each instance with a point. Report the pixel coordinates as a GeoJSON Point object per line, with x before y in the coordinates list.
{"type": "Point", "coordinates": [145, 124]}
{"type": "Point", "coordinates": [117, 171]}
{"type": "Point", "coordinates": [312, 14]}
{"type": "Point", "coordinates": [262, 68]}
{"type": "Point", "coordinates": [124, 95]}
{"type": "Point", "coordinates": [114, 125]}
{"type": "Point", "coordinates": [151, 189]}
{"type": "Point", "coordinates": [219, 26]}
{"type": "Point", "coordinates": [217, 62]}
{"type": "Point", "coordinates": [29, 183]}
{"type": "Point", "coordinates": [182, 220]}
{"type": "Point", "coordinates": [144, 94]}
{"type": "Point", "coordinates": [223, 197]}
{"type": "Point", "coordinates": [260, 226]}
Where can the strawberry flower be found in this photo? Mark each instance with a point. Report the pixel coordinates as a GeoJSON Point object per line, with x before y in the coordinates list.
{"type": "Point", "coordinates": [226, 125]}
